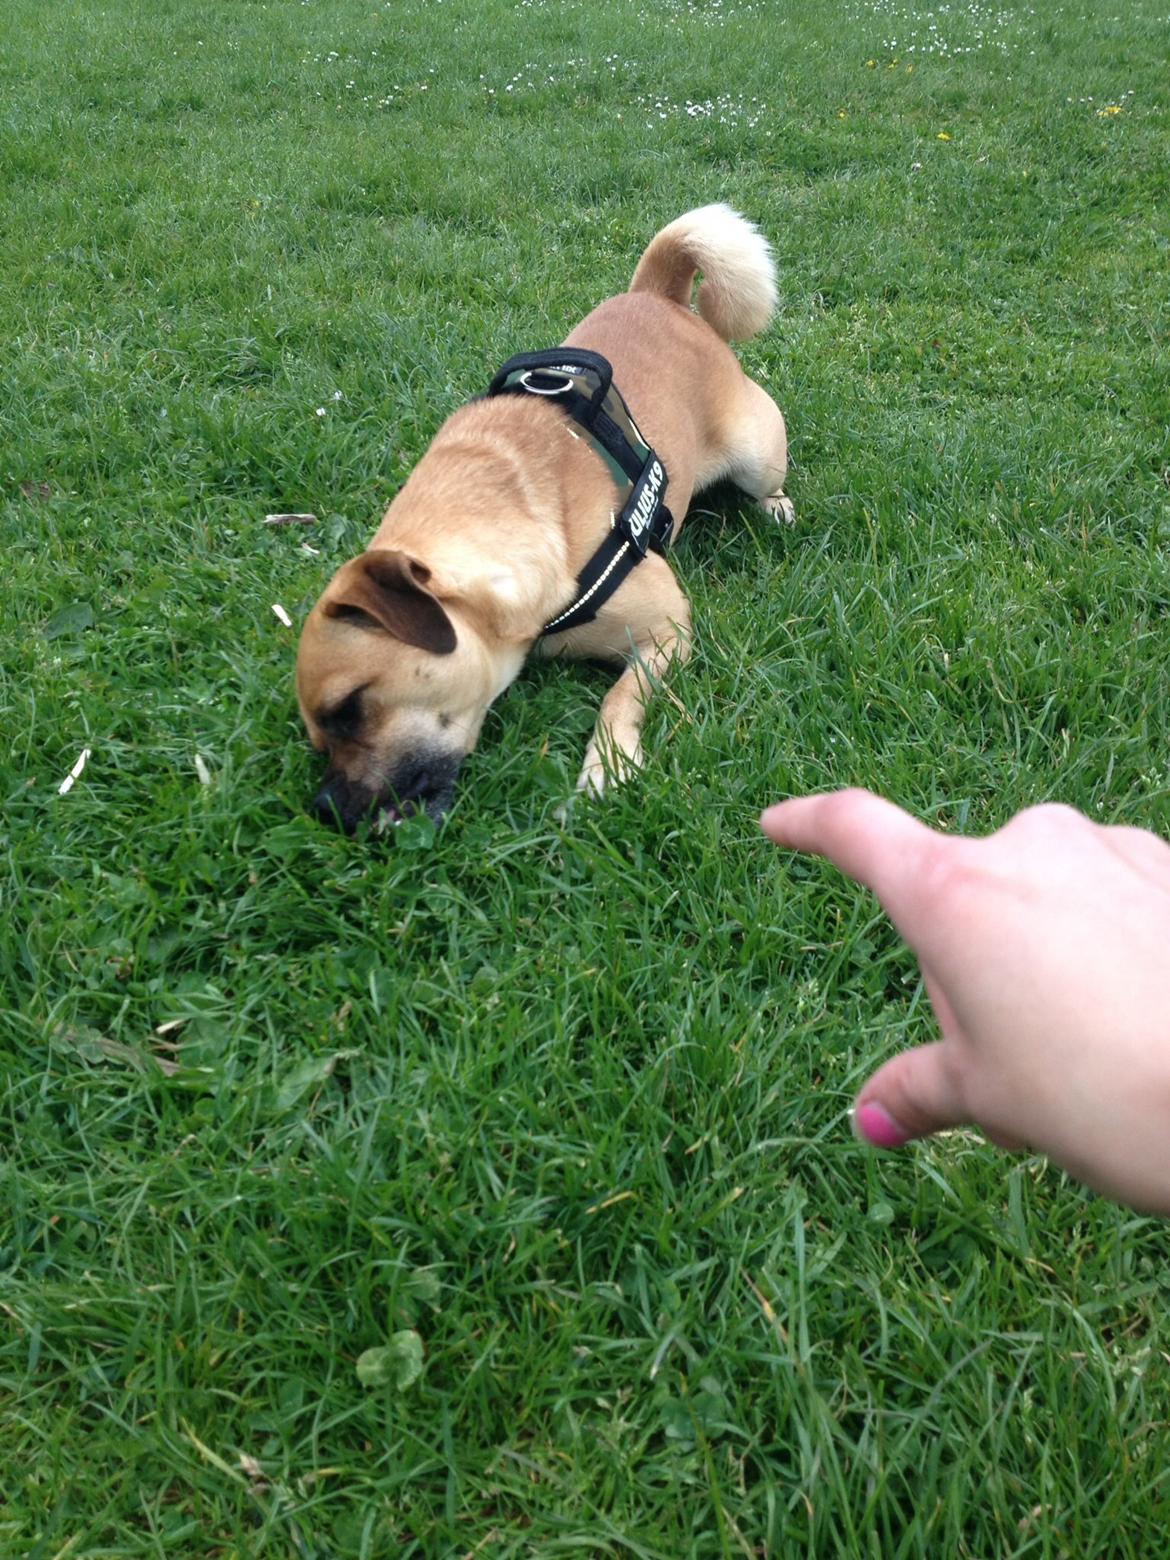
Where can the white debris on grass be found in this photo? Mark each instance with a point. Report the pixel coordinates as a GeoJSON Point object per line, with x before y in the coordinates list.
{"type": "Point", "coordinates": [282, 614]}
{"type": "Point", "coordinates": [74, 774]}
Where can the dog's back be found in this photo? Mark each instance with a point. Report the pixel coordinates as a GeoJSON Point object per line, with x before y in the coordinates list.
{"type": "Point", "coordinates": [680, 378]}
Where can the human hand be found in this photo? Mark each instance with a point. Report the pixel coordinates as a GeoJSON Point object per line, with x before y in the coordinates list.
{"type": "Point", "coordinates": [1045, 950]}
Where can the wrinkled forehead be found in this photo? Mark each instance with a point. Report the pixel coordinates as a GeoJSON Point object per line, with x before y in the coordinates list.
{"type": "Point", "coordinates": [335, 657]}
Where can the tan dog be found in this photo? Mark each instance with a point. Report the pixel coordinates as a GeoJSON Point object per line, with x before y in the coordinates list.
{"type": "Point", "coordinates": [411, 642]}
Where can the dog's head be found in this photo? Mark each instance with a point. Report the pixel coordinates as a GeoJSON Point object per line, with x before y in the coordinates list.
{"type": "Point", "coordinates": [394, 680]}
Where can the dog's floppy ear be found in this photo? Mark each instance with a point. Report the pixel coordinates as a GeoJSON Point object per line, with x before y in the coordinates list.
{"type": "Point", "coordinates": [390, 588]}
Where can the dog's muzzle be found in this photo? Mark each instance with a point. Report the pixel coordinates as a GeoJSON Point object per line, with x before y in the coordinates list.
{"type": "Point", "coordinates": [422, 785]}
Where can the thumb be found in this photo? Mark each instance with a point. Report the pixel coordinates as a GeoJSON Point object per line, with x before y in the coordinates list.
{"type": "Point", "coordinates": [911, 1096]}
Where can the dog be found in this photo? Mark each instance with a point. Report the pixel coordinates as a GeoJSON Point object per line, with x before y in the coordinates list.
{"type": "Point", "coordinates": [481, 551]}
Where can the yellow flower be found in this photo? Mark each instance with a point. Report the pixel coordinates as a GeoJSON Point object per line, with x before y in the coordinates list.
{"type": "Point", "coordinates": [1109, 111]}
{"type": "Point", "coordinates": [943, 136]}
{"type": "Point", "coordinates": [841, 114]}
{"type": "Point", "coordinates": [871, 64]}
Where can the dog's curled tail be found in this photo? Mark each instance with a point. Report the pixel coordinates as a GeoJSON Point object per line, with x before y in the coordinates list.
{"type": "Point", "coordinates": [738, 291]}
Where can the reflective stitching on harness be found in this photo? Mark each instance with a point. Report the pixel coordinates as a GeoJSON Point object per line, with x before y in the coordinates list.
{"type": "Point", "coordinates": [596, 586]}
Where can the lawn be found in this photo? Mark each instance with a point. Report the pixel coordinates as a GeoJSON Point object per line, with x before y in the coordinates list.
{"type": "Point", "coordinates": [491, 1192]}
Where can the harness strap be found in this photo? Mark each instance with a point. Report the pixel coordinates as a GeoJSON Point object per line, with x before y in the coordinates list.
{"type": "Point", "coordinates": [582, 384]}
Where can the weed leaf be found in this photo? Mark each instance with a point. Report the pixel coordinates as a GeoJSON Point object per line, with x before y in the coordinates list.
{"type": "Point", "coordinates": [394, 1364]}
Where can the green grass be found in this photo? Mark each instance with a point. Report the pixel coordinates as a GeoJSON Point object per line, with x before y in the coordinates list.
{"type": "Point", "coordinates": [565, 1101]}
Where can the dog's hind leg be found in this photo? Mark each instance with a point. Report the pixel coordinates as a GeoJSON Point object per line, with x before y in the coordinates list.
{"type": "Point", "coordinates": [758, 461]}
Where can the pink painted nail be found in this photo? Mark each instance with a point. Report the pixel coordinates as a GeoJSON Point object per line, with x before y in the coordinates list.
{"type": "Point", "coordinates": [873, 1124]}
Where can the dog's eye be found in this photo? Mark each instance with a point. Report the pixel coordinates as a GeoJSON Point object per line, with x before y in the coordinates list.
{"type": "Point", "coordinates": [345, 612]}
{"type": "Point", "coordinates": [344, 719]}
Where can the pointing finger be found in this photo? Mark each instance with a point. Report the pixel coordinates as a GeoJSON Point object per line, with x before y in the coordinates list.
{"type": "Point", "coordinates": [870, 839]}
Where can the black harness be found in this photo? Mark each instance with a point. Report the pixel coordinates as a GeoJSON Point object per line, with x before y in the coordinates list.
{"type": "Point", "coordinates": [582, 384]}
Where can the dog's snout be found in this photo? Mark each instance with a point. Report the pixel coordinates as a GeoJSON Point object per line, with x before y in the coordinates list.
{"type": "Point", "coordinates": [323, 807]}
{"type": "Point", "coordinates": [423, 784]}
{"type": "Point", "coordinates": [410, 783]}
{"type": "Point", "coordinates": [340, 804]}
{"type": "Point", "coordinates": [428, 784]}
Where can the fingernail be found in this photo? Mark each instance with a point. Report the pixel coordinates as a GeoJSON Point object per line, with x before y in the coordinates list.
{"type": "Point", "coordinates": [873, 1125]}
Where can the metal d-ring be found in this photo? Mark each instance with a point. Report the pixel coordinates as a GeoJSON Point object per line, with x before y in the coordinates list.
{"type": "Point", "coordinates": [525, 379]}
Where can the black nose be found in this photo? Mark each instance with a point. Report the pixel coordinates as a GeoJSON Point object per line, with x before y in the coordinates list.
{"type": "Point", "coordinates": [425, 785]}
{"type": "Point", "coordinates": [324, 808]}
{"type": "Point", "coordinates": [340, 804]}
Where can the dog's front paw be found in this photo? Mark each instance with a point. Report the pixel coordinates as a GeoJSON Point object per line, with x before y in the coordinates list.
{"type": "Point", "coordinates": [780, 507]}
{"type": "Point", "coordinates": [591, 781]}
{"type": "Point", "coordinates": [598, 773]}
